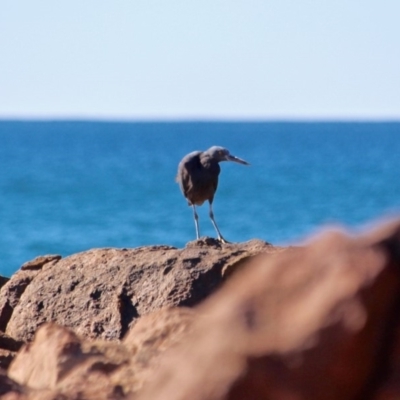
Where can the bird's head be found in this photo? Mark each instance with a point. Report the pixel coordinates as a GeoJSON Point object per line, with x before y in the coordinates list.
{"type": "Point", "coordinates": [219, 154]}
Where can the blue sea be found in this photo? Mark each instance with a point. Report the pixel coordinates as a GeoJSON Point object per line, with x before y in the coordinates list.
{"type": "Point", "coordinates": [70, 186]}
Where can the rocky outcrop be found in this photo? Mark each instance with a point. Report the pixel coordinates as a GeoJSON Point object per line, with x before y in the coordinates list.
{"type": "Point", "coordinates": [319, 322]}
{"type": "Point", "coordinates": [316, 322]}
{"type": "Point", "coordinates": [61, 363]}
{"type": "Point", "coordinates": [100, 293]}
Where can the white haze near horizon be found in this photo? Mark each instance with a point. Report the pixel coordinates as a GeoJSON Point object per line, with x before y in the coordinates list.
{"type": "Point", "coordinates": [210, 59]}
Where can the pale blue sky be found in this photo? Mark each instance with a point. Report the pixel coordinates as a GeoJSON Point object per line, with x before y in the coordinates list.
{"type": "Point", "coordinates": [208, 59]}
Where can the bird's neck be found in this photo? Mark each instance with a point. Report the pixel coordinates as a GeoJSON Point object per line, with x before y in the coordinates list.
{"type": "Point", "coordinates": [208, 162]}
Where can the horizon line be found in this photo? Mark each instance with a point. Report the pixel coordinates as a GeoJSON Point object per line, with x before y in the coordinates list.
{"type": "Point", "coordinates": [113, 119]}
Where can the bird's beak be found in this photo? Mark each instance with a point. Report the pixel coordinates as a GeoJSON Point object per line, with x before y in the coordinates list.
{"type": "Point", "coordinates": [236, 159]}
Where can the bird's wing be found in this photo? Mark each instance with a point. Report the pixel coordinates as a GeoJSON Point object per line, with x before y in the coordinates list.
{"type": "Point", "coordinates": [186, 163]}
{"type": "Point", "coordinates": [187, 167]}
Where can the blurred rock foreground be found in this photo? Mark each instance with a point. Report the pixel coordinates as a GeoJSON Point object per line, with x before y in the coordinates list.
{"type": "Point", "coordinates": [233, 321]}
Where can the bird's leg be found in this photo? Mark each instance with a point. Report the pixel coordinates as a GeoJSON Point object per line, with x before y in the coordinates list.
{"type": "Point", "coordinates": [220, 237]}
{"type": "Point", "coordinates": [196, 221]}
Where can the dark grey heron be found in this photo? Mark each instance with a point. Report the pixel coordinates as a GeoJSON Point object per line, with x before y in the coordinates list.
{"type": "Point", "coordinates": [198, 179]}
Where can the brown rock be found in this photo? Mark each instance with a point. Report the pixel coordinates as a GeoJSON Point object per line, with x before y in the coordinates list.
{"type": "Point", "coordinates": [60, 363]}
{"type": "Point", "coordinates": [9, 343]}
{"type": "Point", "coordinates": [149, 338]}
{"type": "Point", "coordinates": [40, 261]}
{"type": "Point", "coordinates": [11, 293]}
{"type": "Point", "coordinates": [8, 349]}
{"type": "Point", "coordinates": [12, 289]}
{"type": "Point", "coordinates": [8, 386]}
{"type": "Point", "coordinates": [319, 322]}
{"type": "Point", "coordinates": [6, 357]}
{"type": "Point", "coordinates": [390, 364]}
{"type": "Point", "coordinates": [100, 293]}
{"type": "Point", "coordinates": [315, 323]}
{"type": "Point", "coordinates": [57, 360]}
{"type": "Point", "coordinates": [3, 281]}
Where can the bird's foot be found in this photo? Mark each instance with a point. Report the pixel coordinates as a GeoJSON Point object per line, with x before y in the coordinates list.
{"type": "Point", "coordinates": [222, 240]}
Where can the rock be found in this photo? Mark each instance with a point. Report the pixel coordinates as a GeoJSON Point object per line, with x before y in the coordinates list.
{"type": "Point", "coordinates": [11, 293]}
{"type": "Point", "coordinates": [9, 343]}
{"type": "Point", "coordinates": [12, 289]}
{"type": "Point", "coordinates": [100, 293]}
{"type": "Point", "coordinates": [61, 363]}
{"type": "Point", "coordinates": [6, 357]}
{"type": "Point", "coordinates": [389, 389]}
{"type": "Point", "coordinates": [55, 354]}
{"type": "Point", "coordinates": [3, 281]}
{"type": "Point", "coordinates": [40, 261]}
{"type": "Point", "coordinates": [9, 387]}
{"type": "Point", "coordinates": [316, 323]}
{"type": "Point", "coordinates": [149, 338]}
{"type": "Point", "coordinates": [8, 349]}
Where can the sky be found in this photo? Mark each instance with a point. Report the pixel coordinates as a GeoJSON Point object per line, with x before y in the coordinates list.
{"type": "Point", "coordinates": [195, 60]}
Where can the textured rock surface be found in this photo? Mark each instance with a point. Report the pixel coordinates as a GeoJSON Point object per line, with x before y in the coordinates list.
{"type": "Point", "coordinates": [40, 261]}
{"type": "Point", "coordinates": [11, 293]}
{"type": "Point", "coordinates": [12, 289]}
{"type": "Point", "coordinates": [3, 281]}
{"type": "Point", "coordinates": [101, 292]}
{"type": "Point", "coordinates": [316, 323]}
{"type": "Point", "coordinates": [61, 363]}
{"type": "Point", "coordinates": [8, 349]}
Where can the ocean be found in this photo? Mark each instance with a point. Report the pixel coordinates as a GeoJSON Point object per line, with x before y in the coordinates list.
{"type": "Point", "coordinates": [69, 186]}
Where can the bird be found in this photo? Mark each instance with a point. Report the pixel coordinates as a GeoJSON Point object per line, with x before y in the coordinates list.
{"type": "Point", "coordinates": [197, 177]}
